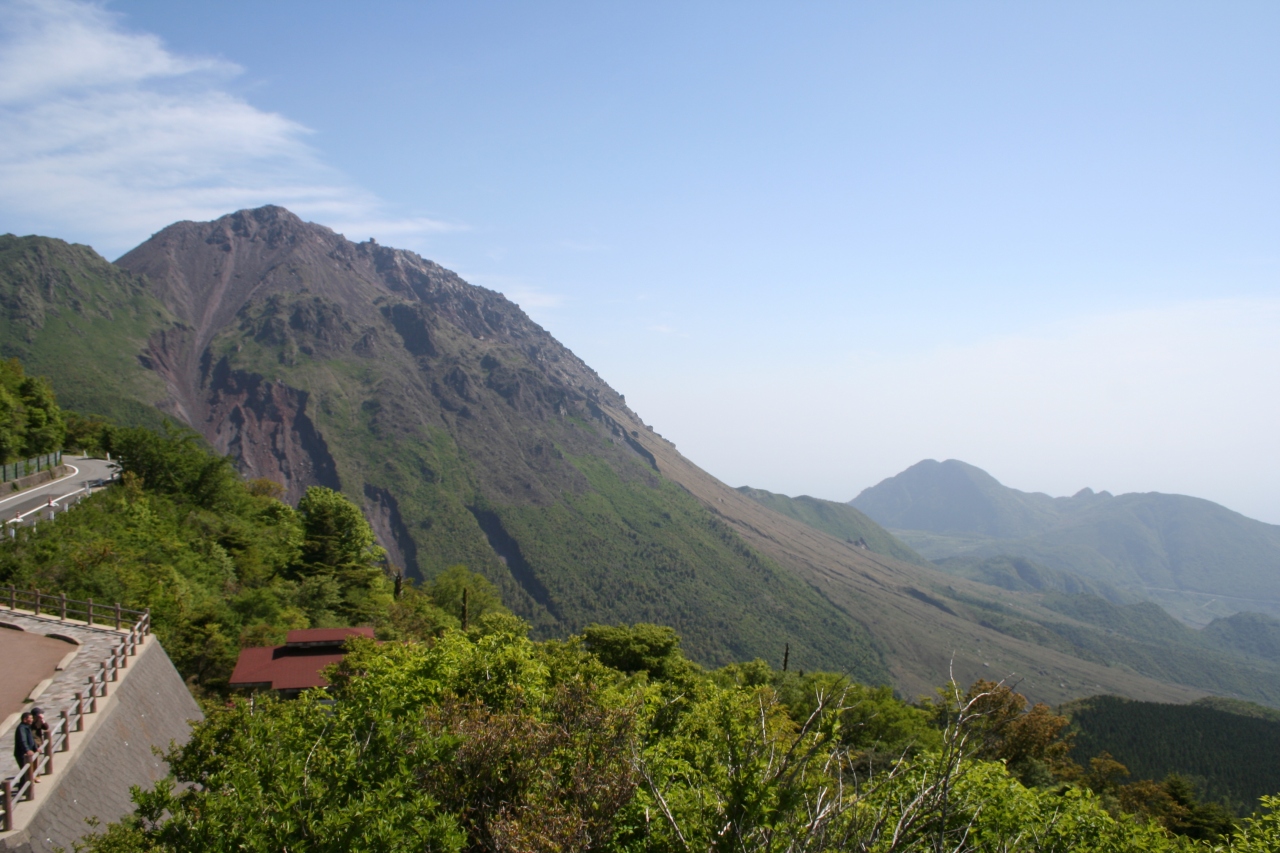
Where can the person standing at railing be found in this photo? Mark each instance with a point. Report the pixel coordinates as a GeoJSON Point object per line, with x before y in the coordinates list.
{"type": "Point", "coordinates": [24, 747]}
{"type": "Point", "coordinates": [39, 728]}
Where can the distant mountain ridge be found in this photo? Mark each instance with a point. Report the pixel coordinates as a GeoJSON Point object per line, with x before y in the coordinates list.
{"type": "Point", "coordinates": [953, 497]}
{"type": "Point", "coordinates": [1152, 543]}
{"type": "Point", "coordinates": [839, 520]}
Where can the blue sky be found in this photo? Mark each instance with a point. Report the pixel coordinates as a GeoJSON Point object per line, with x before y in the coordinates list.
{"type": "Point", "coordinates": [812, 243]}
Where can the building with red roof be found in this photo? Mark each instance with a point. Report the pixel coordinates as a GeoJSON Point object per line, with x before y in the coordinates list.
{"type": "Point", "coordinates": [296, 665]}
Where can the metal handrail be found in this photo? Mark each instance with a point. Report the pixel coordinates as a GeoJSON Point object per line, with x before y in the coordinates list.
{"type": "Point", "coordinates": [60, 732]}
{"type": "Point", "coordinates": [62, 606]}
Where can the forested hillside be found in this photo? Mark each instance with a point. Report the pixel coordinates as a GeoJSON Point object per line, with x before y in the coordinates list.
{"type": "Point", "coordinates": [1227, 756]}
{"type": "Point", "coordinates": [839, 520]}
{"type": "Point", "coordinates": [614, 741]}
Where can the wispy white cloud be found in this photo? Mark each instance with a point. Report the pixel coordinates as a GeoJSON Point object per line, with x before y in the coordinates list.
{"type": "Point", "coordinates": [109, 136]}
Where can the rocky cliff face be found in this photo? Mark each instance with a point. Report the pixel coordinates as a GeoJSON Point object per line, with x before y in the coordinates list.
{"type": "Point", "coordinates": [444, 353]}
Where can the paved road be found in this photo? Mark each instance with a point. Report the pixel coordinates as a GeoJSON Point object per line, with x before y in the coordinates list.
{"type": "Point", "coordinates": [27, 505]}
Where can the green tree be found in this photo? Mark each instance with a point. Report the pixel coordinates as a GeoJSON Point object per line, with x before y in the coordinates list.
{"type": "Point", "coordinates": [45, 428]}
{"type": "Point", "coordinates": [13, 425]}
{"type": "Point", "coordinates": [339, 545]}
{"type": "Point", "coordinates": [31, 424]}
{"type": "Point", "coordinates": [651, 649]}
{"type": "Point", "coordinates": [176, 462]}
{"type": "Point", "coordinates": [457, 585]}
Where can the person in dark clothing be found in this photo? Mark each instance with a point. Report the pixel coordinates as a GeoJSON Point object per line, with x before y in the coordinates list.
{"type": "Point", "coordinates": [39, 728]}
{"type": "Point", "coordinates": [24, 747]}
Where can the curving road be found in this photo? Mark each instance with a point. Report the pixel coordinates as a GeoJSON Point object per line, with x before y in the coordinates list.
{"type": "Point", "coordinates": [32, 504]}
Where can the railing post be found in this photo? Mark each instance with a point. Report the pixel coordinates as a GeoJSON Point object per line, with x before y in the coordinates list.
{"type": "Point", "coordinates": [104, 678]}
{"type": "Point", "coordinates": [62, 603]}
{"type": "Point", "coordinates": [66, 731]}
{"type": "Point", "coordinates": [117, 616]}
{"type": "Point", "coordinates": [8, 805]}
{"type": "Point", "coordinates": [36, 605]}
{"type": "Point", "coordinates": [90, 611]}
{"type": "Point", "coordinates": [79, 711]}
{"type": "Point", "coordinates": [13, 597]}
{"type": "Point", "coordinates": [124, 655]}
{"type": "Point", "coordinates": [93, 694]}
{"type": "Point", "coordinates": [48, 755]}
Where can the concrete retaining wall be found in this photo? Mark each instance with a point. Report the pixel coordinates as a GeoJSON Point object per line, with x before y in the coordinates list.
{"type": "Point", "coordinates": [34, 479]}
{"type": "Point", "coordinates": [149, 707]}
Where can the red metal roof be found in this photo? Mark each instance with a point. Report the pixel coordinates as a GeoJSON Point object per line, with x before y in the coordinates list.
{"type": "Point", "coordinates": [297, 664]}
{"type": "Point", "coordinates": [283, 668]}
{"type": "Point", "coordinates": [335, 636]}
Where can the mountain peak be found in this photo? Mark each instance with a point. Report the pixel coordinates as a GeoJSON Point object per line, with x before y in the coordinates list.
{"type": "Point", "coordinates": [953, 497]}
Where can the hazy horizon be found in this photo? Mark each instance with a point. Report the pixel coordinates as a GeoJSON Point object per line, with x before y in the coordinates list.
{"type": "Point", "coordinates": [811, 245]}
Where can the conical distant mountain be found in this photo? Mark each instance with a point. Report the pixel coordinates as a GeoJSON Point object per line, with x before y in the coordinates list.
{"type": "Point", "coordinates": [1150, 543]}
{"type": "Point", "coordinates": [470, 435]}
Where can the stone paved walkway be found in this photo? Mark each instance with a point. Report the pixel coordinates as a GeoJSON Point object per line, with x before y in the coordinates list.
{"type": "Point", "coordinates": [96, 644]}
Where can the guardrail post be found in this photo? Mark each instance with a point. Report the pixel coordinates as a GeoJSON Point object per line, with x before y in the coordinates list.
{"type": "Point", "coordinates": [36, 605]}
{"type": "Point", "coordinates": [79, 711]}
{"type": "Point", "coordinates": [13, 597]}
{"type": "Point", "coordinates": [124, 655]}
{"type": "Point", "coordinates": [8, 805]}
{"type": "Point", "coordinates": [62, 604]}
{"type": "Point", "coordinates": [117, 616]}
{"type": "Point", "coordinates": [93, 694]}
{"type": "Point", "coordinates": [48, 755]}
{"type": "Point", "coordinates": [104, 678]}
{"type": "Point", "coordinates": [90, 603]}
{"type": "Point", "coordinates": [66, 731]}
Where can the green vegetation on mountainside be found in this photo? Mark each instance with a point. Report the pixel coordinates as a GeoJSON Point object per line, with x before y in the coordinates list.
{"type": "Point", "coordinates": [1253, 634]}
{"type": "Point", "coordinates": [70, 315]}
{"type": "Point", "coordinates": [221, 563]}
{"type": "Point", "coordinates": [644, 550]}
{"type": "Point", "coordinates": [1022, 575]}
{"type": "Point", "coordinates": [482, 740]}
{"type": "Point", "coordinates": [618, 542]}
{"type": "Point", "coordinates": [1139, 637]}
{"type": "Point", "coordinates": [840, 520]}
{"type": "Point", "coordinates": [1228, 756]}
